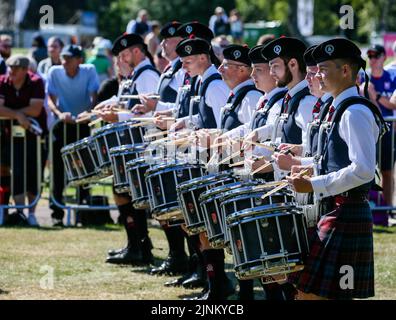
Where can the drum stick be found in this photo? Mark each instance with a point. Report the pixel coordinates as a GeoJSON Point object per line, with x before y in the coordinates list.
{"type": "Point", "coordinates": [157, 134]}
{"type": "Point", "coordinates": [222, 144]}
{"type": "Point", "coordinates": [136, 96]}
{"type": "Point", "coordinates": [235, 154]}
{"type": "Point", "coordinates": [268, 185]}
{"type": "Point", "coordinates": [92, 123]}
{"type": "Point", "coordinates": [237, 164]}
{"type": "Point", "coordinates": [140, 124]}
{"type": "Point", "coordinates": [159, 141]}
{"type": "Point", "coordinates": [283, 185]}
{"type": "Point", "coordinates": [264, 166]}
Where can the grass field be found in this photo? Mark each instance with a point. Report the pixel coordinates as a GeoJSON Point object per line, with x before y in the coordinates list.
{"type": "Point", "coordinates": [77, 256]}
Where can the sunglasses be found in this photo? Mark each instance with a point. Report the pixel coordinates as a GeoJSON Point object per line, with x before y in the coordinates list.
{"type": "Point", "coordinates": [374, 56]}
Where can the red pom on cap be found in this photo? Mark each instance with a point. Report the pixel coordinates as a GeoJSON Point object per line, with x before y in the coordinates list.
{"type": "Point", "coordinates": [192, 36]}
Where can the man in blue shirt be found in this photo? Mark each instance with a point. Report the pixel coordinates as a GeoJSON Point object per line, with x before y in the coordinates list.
{"type": "Point", "coordinates": [384, 85]}
{"type": "Point", "coordinates": [72, 89]}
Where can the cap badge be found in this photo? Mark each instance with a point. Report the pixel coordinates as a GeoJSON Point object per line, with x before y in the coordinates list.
{"type": "Point", "coordinates": [124, 42]}
{"type": "Point", "coordinates": [237, 54]}
{"type": "Point", "coordinates": [189, 29]}
{"type": "Point", "coordinates": [277, 49]}
{"type": "Point", "coordinates": [329, 49]}
{"type": "Point", "coordinates": [188, 49]}
{"type": "Point", "coordinates": [172, 31]}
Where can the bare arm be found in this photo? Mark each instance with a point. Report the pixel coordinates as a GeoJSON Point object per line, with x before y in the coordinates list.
{"type": "Point", "coordinates": [52, 105]}
{"type": "Point", "coordinates": [34, 109]}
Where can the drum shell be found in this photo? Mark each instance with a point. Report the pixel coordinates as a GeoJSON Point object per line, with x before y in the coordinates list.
{"type": "Point", "coordinates": [188, 196]}
{"type": "Point", "coordinates": [136, 170]}
{"type": "Point", "coordinates": [268, 240]}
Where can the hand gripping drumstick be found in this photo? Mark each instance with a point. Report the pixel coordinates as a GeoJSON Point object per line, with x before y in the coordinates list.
{"type": "Point", "coordinates": [157, 134]}
{"type": "Point", "coordinates": [283, 185]}
{"type": "Point", "coordinates": [266, 165]}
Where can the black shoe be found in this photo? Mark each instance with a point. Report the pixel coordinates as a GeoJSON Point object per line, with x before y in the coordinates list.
{"type": "Point", "coordinates": [58, 223]}
{"type": "Point", "coordinates": [194, 281]}
{"type": "Point", "coordinates": [171, 266]}
{"type": "Point", "coordinates": [16, 218]}
{"type": "Point", "coordinates": [112, 253]}
{"type": "Point", "coordinates": [126, 257]}
{"type": "Point", "coordinates": [200, 296]}
{"type": "Point", "coordinates": [177, 282]}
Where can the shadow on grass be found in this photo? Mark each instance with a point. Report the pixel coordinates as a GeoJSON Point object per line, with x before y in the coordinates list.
{"type": "Point", "coordinates": [4, 291]}
{"type": "Point", "coordinates": [388, 230]}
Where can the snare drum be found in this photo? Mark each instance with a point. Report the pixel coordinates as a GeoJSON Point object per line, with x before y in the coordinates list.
{"type": "Point", "coordinates": [162, 181]}
{"type": "Point", "coordinates": [119, 157]}
{"type": "Point", "coordinates": [136, 170]}
{"type": "Point", "coordinates": [114, 135]}
{"type": "Point", "coordinates": [248, 196]}
{"type": "Point", "coordinates": [81, 162]}
{"type": "Point", "coordinates": [268, 241]}
{"type": "Point", "coordinates": [189, 192]}
{"type": "Point", "coordinates": [213, 217]}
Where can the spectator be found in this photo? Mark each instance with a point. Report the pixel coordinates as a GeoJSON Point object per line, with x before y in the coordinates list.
{"type": "Point", "coordinates": [159, 61]}
{"type": "Point", "coordinates": [39, 50]}
{"type": "Point", "coordinates": [55, 46]}
{"type": "Point", "coordinates": [21, 98]}
{"type": "Point", "coordinates": [218, 23]}
{"type": "Point", "coordinates": [5, 51]}
{"type": "Point", "coordinates": [384, 86]}
{"type": "Point", "coordinates": [391, 67]}
{"type": "Point", "coordinates": [218, 45]}
{"type": "Point", "coordinates": [141, 25]}
{"type": "Point", "coordinates": [72, 89]}
{"type": "Point", "coordinates": [102, 63]}
{"type": "Point", "coordinates": [152, 39]}
{"type": "Point", "coordinates": [264, 39]}
{"type": "Point", "coordinates": [236, 26]}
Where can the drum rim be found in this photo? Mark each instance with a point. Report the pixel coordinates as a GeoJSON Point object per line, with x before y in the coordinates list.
{"type": "Point", "coordinates": [230, 197]}
{"type": "Point", "coordinates": [126, 149]}
{"type": "Point", "coordinates": [261, 212]}
{"type": "Point", "coordinates": [162, 168]}
{"type": "Point", "coordinates": [72, 146]}
{"type": "Point", "coordinates": [204, 180]}
{"type": "Point", "coordinates": [216, 192]}
{"type": "Point", "coordinates": [135, 163]}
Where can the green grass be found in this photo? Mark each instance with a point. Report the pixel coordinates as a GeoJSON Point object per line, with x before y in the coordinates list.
{"type": "Point", "coordinates": [77, 256]}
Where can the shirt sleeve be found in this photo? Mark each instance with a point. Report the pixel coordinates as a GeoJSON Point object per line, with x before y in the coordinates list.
{"type": "Point", "coordinates": [39, 91]}
{"type": "Point", "coordinates": [147, 82]}
{"type": "Point", "coordinates": [51, 84]}
{"type": "Point", "coordinates": [265, 132]}
{"type": "Point", "coordinates": [361, 152]}
{"type": "Point", "coordinates": [93, 81]}
{"type": "Point", "coordinates": [304, 115]}
{"type": "Point", "coordinates": [163, 106]}
{"type": "Point", "coordinates": [216, 97]}
{"type": "Point", "coordinates": [248, 106]}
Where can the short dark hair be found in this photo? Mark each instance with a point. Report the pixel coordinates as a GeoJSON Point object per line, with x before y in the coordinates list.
{"type": "Point", "coordinates": [353, 63]}
{"type": "Point", "coordinates": [301, 63]}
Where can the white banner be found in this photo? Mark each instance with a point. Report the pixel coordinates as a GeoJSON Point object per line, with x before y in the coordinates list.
{"type": "Point", "coordinates": [20, 10]}
{"type": "Point", "coordinates": [305, 17]}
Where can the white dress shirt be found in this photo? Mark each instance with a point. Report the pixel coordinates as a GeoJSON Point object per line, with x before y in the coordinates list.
{"type": "Point", "coordinates": [359, 130]}
{"type": "Point", "coordinates": [176, 82]}
{"type": "Point", "coordinates": [216, 96]}
{"type": "Point", "coordinates": [248, 103]}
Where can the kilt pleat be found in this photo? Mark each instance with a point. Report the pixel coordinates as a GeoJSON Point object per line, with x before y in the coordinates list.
{"type": "Point", "coordinates": [343, 237]}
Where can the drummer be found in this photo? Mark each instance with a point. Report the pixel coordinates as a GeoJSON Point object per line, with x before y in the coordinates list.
{"type": "Point", "coordinates": [346, 170]}
{"type": "Point", "coordinates": [287, 66]}
{"type": "Point", "coordinates": [131, 49]}
{"type": "Point", "coordinates": [286, 161]}
{"type": "Point", "coordinates": [213, 92]}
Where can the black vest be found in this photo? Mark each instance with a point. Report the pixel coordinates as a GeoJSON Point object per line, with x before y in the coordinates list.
{"type": "Point", "coordinates": [165, 91]}
{"type": "Point", "coordinates": [135, 76]}
{"type": "Point", "coordinates": [206, 119]}
{"type": "Point", "coordinates": [313, 133]}
{"type": "Point", "coordinates": [291, 132]}
{"type": "Point", "coordinates": [335, 150]}
{"type": "Point", "coordinates": [261, 117]}
{"type": "Point", "coordinates": [229, 119]}
{"type": "Point", "coordinates": [184, 99]}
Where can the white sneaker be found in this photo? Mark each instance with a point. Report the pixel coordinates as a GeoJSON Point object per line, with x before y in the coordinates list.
{"type": "Point", "coordinates": [392, 222]}
{"type": "Point", "coordinates": [32, 220]}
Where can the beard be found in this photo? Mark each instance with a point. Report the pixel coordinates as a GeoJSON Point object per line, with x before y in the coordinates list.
{"type": "Point", "coordinates": [287, 78]}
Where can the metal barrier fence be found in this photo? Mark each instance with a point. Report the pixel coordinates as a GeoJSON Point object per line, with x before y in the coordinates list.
{"type": "Point", "coordinates": [14, 166]}
{"type": "Point", "coordinates": [69, 207]}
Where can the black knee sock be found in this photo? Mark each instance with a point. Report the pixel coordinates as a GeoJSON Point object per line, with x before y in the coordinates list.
{"type": "Point", "coordinates": [129, 224]}
{"type": "Point", "coordinates": [273, 292]}
{"type": "Point", "coordinates": [175, 237]}
{"type": "Point", "coordinates": [214, 262]}
{"type": "Point", "coordinates": [5, 183]}
{"type": "Point", "coordinates": [140, 218]}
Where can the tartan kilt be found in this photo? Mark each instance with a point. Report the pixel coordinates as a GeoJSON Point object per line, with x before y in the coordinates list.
{"type": "Point", "coordinates": [343, 237]}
